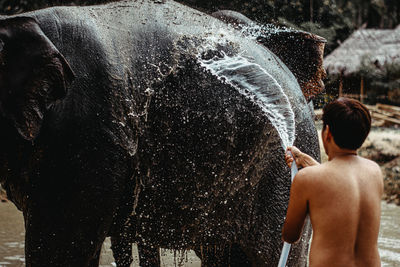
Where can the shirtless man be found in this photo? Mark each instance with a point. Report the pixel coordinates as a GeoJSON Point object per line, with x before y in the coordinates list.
{"type": "Point", "coordinates": [342, 196]}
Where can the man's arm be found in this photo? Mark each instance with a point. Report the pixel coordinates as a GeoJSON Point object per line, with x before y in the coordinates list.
{"type": "Point", "coordinates": [297, 209]}
{"type": "Point", "coordinates": [302, 159]}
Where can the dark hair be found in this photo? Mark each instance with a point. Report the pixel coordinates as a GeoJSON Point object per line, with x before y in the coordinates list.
{"type": "Point", "coordinates": [349, 122]}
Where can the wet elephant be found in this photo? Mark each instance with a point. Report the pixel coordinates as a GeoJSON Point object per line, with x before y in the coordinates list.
{"type": "Point", "coordinates": [302, 53]}
{"type": "Point", "coordinates": [149, 122]}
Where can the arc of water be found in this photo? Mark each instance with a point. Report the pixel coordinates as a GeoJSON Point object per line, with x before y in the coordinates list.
{"type": "Point", "coordinates": [253, 81]}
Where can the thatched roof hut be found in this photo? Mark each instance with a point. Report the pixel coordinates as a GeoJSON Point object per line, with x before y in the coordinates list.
{"type": "Point", "coordinates": [368, 46]}
{"type": "Point", "coordinates": [360, 61]}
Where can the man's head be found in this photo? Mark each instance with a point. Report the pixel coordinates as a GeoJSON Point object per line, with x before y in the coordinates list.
{"type": "Point", "coordinates": [349, 122]}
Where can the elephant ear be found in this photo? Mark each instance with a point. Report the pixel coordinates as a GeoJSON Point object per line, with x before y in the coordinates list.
{"type": "Point", "coordinates": [33, 74]}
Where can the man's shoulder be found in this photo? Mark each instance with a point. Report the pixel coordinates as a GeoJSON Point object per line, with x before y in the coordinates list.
{"type": "Point", "coordinates": [313, 171]}
{"type": "Point", "coordinates": [374, 172]}
{"type": "Point", "coordinates": [315, 176]}
{"type": "Point", "coordinates": [308, 180]}
{"type": "Point", "coordinates": [370, 163]}
{"type": "Point", "coordinates": [309, 175]}
{"type": "Point", "coordinates": [371, 167]}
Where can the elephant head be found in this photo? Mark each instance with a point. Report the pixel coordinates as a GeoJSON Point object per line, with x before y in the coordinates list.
{"type": "Point", "coordinates": [305, 61]}
{"type": "Point", "coordinates": [302, 52]}
{"type": "Point", "coordinates": [33, 74]}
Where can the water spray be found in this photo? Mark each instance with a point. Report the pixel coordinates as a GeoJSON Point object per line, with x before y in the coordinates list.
{"type": "Point", "coordinates": [286, 246]}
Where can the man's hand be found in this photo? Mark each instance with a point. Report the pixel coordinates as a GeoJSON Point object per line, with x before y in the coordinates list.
{"type": "Point", "coordinates": [302, 159]}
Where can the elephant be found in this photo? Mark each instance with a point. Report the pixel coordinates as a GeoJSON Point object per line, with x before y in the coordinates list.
{"type": "Point", "coordinates": [151, 122]}
{"type": "Point", "coordinates": [306, 64]}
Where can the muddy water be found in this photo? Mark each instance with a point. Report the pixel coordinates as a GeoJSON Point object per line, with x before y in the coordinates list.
{"type": "Point", "coordinates": [12, 241]}
{"type": "Point", "coordinates": [389, 235]}
{"type": "Point", "coordinates": [12, 235]}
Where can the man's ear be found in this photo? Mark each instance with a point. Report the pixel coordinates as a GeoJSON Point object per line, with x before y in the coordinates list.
{"type": "Point", "coordinates": [33, 74]}
{"type": "Point", "coordinates": [328, 133]}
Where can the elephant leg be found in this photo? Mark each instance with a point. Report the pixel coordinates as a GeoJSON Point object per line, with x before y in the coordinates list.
{"type": "Point", "coordinates": [49, 248]}
{"type": "Point", "coordinates": [210, 257]}
{"type": "Point", "coordinates": [229, 256]}
{"type": "Point", "coordinates": [61, 236]}
{"type": "Point", "coordinates": [149, 256]}
{"type": "Point", "coordinates": [237, 257]}
{"type": "Point", "coordinates": [122, 251]}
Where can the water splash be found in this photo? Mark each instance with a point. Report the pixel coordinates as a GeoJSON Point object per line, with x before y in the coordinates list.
{"type": "Point", "coordinates": [254, 82]}
{"type": "Point", "coordinates": [255, 31]}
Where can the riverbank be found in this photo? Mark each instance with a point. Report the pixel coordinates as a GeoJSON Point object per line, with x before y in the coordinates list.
{"type": "Point", "coordinates": [383, 146]}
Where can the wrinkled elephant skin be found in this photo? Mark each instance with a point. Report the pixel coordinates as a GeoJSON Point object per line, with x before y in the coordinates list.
{"type": "Point", "coordinates": [117, 121]}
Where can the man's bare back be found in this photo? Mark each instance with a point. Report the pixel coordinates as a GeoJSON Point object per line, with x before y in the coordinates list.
{"type": "Point", "coordinates": [342, 198]}
{"type": "Point", "coordinates": [344, 205]}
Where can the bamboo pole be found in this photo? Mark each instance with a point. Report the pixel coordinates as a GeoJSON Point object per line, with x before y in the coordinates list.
{"type": "Point", "coordinates": [340, 86]}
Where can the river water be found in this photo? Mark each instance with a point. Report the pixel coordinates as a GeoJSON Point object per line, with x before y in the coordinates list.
{"type": "Point", "coordinates": [12, 241]}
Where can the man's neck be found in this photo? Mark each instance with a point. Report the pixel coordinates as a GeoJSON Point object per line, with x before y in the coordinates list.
{"type": "Point", "coordinates": [337, 152]}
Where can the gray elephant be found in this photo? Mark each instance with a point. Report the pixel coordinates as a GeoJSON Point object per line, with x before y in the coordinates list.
{"type": "Point", "coordinates": [149, 122]}
{"type": "Point", "coordinates": [302, 53]}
